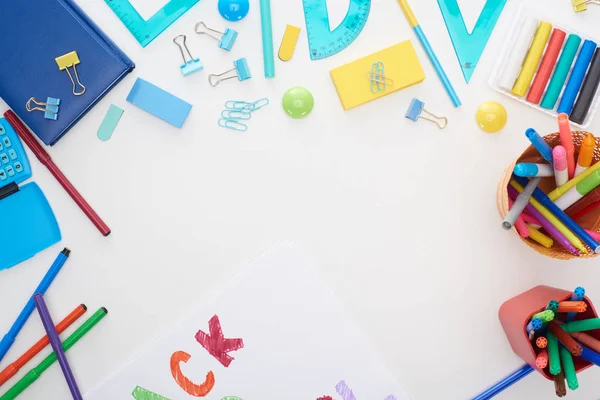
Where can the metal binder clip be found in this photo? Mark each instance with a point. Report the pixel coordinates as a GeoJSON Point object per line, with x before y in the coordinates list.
{"type": "Point", "coordinates": [379, 82]}
{"type": "Point", "coordinates": [51, 104]}
{"type": "Point", "coordinates": [226, 40]}
{"type": "Point", "coordinates": [241, 69]}
{"type": "Point", "coordinates": [581, 5]}
{"type": "Point", "coordinates": [416, 108]}
{"type": "Point", "coordinates": [191, 66]}
{"type": "Point", "coordinates": [66, 61]}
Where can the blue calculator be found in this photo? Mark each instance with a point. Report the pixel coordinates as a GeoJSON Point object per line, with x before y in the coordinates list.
{"type": "Point", "coordinates": [28, 223]}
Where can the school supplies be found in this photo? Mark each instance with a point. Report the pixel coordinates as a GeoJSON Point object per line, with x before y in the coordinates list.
{"type": "Point", "coordinates": [517, 54]}
{"type": "Point", "coordinates": [416, 109]}
{"type": "Point", "coordinates": [379, 82]}
{"type": "Point", "coordinates": [190, 64]}
{"type": "Point", "coordinates": [401, 65]}
{"type": "Point", "coordinates": [226, 39]}
{"type": "Point", "coordinates": [298, 102]}
{"type": "Point", "coordinates": [469, 46]}
{"type": "Point", "coordinates": [521, 202]}
{"type": "Point", "coordinates": [111, 119]}
{"type": "Point", "coordinates": [540, 144]}
{"type": "Point", "coordinates": [146, 31]}
{"type": "Point", "coordinates": [267, 38]}
{"type": "Point", "coordinates": [577, 76]}
{"type": "Point", "coordinates": [241, 69]}
{"type": "Point", "coordinates": [412, 20]}
{"type": "Point", "coordinates": [533, 59]}
{"type": "Point", "coordinates": [581, 5]}
{"type": "Point", "coordinates": [505, 383]}
{"type": "Point", "coordinates": [50, 109]}
{"type": "Point", "coordinates": [561, 72]}
{"type": "Point", "coordinates": [47, 280]}
{"type": "Point", "coordinates": [322, 41]}
{"type": "Point", "coordinates": [491, 116]}
{"type": "Point", "coordinates": [588, 91]}
{"type": "Point", "coordinates": [159, 103]}
{"type": "Point", "coordinates": [542, 359]}
{"type": "Point", "coordinates": [288, 43]}
{"type": "Point", "coordinates": [578, 295]}
{"type": "Point", "coordinates": [47, 362]}
{"type": "Point", "coordinates": [527, 170]}
{"type": "Point", "coordinates": [236, 112]}
{"type": "Point", "coordinates": [579, 191]}
{"type": "Point", "coordinates": [540, 238]}
{"type": "Point", "coordinates": [67, 61]}
{"type": "Point", "coordinates": [233, 10]}
{"type": "Point", "coordinates": [28, 69]}
{"type": "Point", "coordinates": [566, 139]}
{"type": "Point", "coordinates": [56, 345]}
{"type": "Point", "coordinates": [20, 362]}
{"type": "Point", "coordinates": [520, 224]}
{"type": "Point", "coordinates": [46, 160]}
{"type": "Point", "coordinates": [547, 66]}
{"type": "Point", "coordinates": [559, 159]}
{"type": "Point", "coordinates": [586, 154]}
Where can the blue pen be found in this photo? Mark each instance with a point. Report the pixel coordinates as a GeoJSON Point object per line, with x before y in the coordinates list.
{"type": "Point", "coordinates": [578, 295]}
{"type": "Point", "coordinates": [10, 337]}
{"type": "Point", "coordinates": [534, 325]}
{"type": "Point", "coordinates": [577, 75]}
{"type": "Point", "coordinates": [540, 144]}
{"type": "Point", "coordinates": [562, 217]}
{"type": "Point", "coordinates": [505, 383]}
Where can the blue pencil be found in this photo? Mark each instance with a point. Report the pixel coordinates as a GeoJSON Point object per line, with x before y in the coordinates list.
{"type": "Point", "coordinates": [505, 383]}
{"type": "Point", "coordinates": [10, 337]}
{"type": "Point", "coordinates": [578, 295]}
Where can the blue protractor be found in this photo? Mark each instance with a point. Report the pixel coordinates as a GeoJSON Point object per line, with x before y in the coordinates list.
{"type": "Point", "coordinates": [322, 41]}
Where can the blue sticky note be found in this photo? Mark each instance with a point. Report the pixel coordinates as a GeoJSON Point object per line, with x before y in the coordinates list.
{"type": "Point", "coordinates": [159, 103]}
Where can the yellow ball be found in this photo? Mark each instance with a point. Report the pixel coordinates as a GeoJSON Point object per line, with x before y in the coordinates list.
{"type": "Point", "coordinates": [491, 116]}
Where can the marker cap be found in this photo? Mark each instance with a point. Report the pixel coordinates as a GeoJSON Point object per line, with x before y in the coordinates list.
{"type": "Point", "coordinates": [588, 184]}
{"type": "Point", "coordinates": [559, 156]}
{"type": "Point", "coordinates": [526, 169]}
{"type": "Point", "coordinates": [586, 153]}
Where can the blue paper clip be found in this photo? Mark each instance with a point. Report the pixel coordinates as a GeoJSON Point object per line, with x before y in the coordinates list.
{"type": "Point", "coordinates": [244, 105]}
{"type": "Point", "coordinates": [193, 64]}
{"type": "Point", "coordinates": [226, 40]}
{"type": "Point", "coordinates": [233, 125]}
{"type": "Point", "coordinates": [238, 115]}
{"type": "Point", "coordinates": [379, 82]}
{"type": "Point", "coordinates": [242, 72]}
{"type": "Point", "coordinates": [51, 104]}
{"type": "Point", "coordinates": [416, 108]}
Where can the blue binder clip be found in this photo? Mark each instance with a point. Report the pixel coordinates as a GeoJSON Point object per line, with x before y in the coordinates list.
{"type": "Point", "coordinates": [226, 39]}
{"type": "Point", "coordinates": [191, 66]}
{"type": "Point", "coordinates": [416, 109]}
{"type": "Point", "coordinates": [51, 107]}
{"type": "Point", "coordinates": [242, 72]}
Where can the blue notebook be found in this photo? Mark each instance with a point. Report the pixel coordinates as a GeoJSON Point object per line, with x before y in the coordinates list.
{"type": "Point", "coordinates": [33, 33]}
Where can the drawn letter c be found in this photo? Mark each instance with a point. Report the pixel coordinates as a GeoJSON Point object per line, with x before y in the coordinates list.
{"type": "Point", "coordinates": [186, 384]}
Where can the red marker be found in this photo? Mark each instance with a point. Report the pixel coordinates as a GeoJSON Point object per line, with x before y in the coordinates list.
{"type": "Point", "coordinates": [542, 359]}
{"type": "Point", "coordinates": [566, 139]}
{"type": "Point", "coordinates": [547, 66]}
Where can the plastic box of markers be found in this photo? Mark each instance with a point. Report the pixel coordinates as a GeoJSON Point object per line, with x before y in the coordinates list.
{"type": "Point", "coordinates": [503, 74]}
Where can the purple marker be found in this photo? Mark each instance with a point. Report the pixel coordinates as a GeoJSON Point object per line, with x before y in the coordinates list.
{"type": "Point", "coordinates": [56, 345]}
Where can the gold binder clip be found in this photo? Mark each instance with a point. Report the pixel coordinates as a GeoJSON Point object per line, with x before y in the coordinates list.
{"type": "Point", "coordinates": [64, 63]}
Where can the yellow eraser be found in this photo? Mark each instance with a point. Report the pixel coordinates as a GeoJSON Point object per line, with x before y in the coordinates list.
{"type": "Point", "coordinates": [401, 65]}
{"type": "Point", "coordinates": [67, 60]}
{"type": "Point", "coordinates": [288, 43]}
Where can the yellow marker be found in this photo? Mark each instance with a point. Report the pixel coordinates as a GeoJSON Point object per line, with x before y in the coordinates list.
{"type": "Point", "coordinates": [553, 220]}
{"type": "Point", "coordinates": [288, 43]}
{"type": "Point", "coordinates": [410, 16]}
{"type": "Point", "coordinates": [559, 191]}
{"type": "Point", "coordinates": [67, 61]}
{"type": "Point", "coordinates": [533, 59]}
{"type": "Point", "coordinates": [539, 237]}
{"type": "Point", "coordinates": [400, 63]}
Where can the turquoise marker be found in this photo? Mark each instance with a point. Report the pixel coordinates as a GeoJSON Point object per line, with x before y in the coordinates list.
{"type": "Point", "coordinates": [563, 66]}
{"type": "Point", "coordinates": [267, 38]}
{"type": "Point", "coordinates": [578, 295]}
{"type": "Point", "coordinates": [540, 144]}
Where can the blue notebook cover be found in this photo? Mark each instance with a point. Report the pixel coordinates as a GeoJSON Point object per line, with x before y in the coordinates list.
{"type": "Point", "coordinates": [35, 32]}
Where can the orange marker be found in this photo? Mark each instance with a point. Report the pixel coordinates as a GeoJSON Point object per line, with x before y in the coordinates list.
{"type": "Point", "coordinates": [541, 342]}
{"type": "Point", "coordinates": [566, 339]}
{"type": "Point", "coordinates": [572, 306]}
{"type": "Point", "coordinates": [541, 360]}
{"type": "Point", "coordinates": [586, 154]}
{"type": "Point", "coordinates": [566, 139]}
{"type": "Point", "coordinates": [587, 340]}
{"type": "Point", "coordinates": [13, 368]}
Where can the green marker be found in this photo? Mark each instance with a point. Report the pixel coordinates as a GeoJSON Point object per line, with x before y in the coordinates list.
{"type": "Point", "coordinates": [569, 368]}
{"type": "Point", "coordinates": [581, 326]}
{"type": "Point", "coordinates": [144, 394]}
{"type": "Point", "coordinates": [553, 354]}
{"type": "Point", "coordinates": [37, 371]}
{"type": "Point", "coordinates": [563, 66]}
{"type": "Point", "coordinates": [545, 316]}
{"type": "Point", "coordinates": [581, 189]}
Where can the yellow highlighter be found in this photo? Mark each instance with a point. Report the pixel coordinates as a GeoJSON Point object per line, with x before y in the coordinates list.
{"type": "Point", "coordinates": [539, 237]}
{"type": "Point", "coordinates": [533, 59]}
{"type": "Point", "coordinates": [574, 240]}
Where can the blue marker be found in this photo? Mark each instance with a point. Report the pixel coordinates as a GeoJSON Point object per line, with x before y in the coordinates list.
{"type": "Point", "coordinates": [540, 144]}
{"type": "Point", "coordinates": [578, 295]}
{"type": "Point", "coordinates": [534, 325]}
{"type": "Point", "coordinates": [505, 383]}
{"type": "Point", "coordinates": [531, 170]}
{"type": "Point", "coordinates": [577, 75]}
{"type": "Point", "coordinates": [590, 355]}
{"type": "Point", "coordinates": [564, 218]}
{"type": "Point", "coordinates": [10, 337]}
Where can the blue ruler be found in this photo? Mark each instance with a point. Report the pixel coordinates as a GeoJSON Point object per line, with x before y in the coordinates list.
{"type": "Point", "coordinates": [469, 46]}
{"type": "Point", "coordinates": [322, 41]}
{"type": "Point", "coordinates": [146, 31]}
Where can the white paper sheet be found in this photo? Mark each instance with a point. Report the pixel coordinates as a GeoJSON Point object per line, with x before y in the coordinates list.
{"type": "Point", "coordinates": [298, 343]}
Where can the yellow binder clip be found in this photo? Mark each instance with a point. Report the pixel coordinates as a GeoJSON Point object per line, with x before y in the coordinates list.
{"type": "Point", "coordinates": [64, 63]}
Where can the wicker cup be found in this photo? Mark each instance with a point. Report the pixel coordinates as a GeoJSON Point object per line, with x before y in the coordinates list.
{"type": "Point", "coordinates": [531, 155]}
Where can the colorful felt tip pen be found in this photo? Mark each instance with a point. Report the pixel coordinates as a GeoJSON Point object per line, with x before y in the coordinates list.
{"type": "Point", "coordinates": [540, 144]}
{"type": "Point", "coordinates": [520, 204]}
{"type": "Point", "coordinates": [534, 325]}
{"type": "Point", "coordinates": [582, 325]}
{"type": "Point", "coordinates": [572, 306]}
{"type": "Point", "coordinates": [10, 337]}
{"type": "Point", "coordinates": [520, 224]}
{"type": "Point", "coordinates": [569, 368]}
{"type": "Point", "coordinates": [531, 170]}
{"type": "Point", "coordinates": [566, 339]}
{"type": "Point", "coordinates": [586, 154]}
{"type": "Point", "coordinates": [504, 383]}
{"type": "Point", "coordinates": [578, 295]}
{"type": "Point", "coordinates": [590, 355]}
{"type": "Point", "coordinates": [561, 173]}
{"type": "Point", "coordinates": [587, 340]}
{"type": "Point", "coordinates": [581, 189]}
{"type": "Point", "coordinates": [541, 342]}
{"type": "Point", "coordinates": [576, 78]}
{"type": "Point", "coordinates": [539, 237]}
{"type": "Point", "coordinates": [559, 385]}
{"type": "Point", "coordinates": [545, 316]}
{"type": "Point", "coordinates": [541, 361]}
{"type": "Point", "coordinates": [553, 305]}
{"type": "Point", "coordinates": [553, 354]}
{"type": "Point", "coordinates": [566, 139]}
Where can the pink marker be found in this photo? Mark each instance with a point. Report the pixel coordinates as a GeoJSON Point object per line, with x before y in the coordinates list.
{"type": "Point", "coordinates": [561, 167]}
{"type": "Point", "coordinates": [566, 139]}
{"type": "Point", "coordinates": [593, 234]}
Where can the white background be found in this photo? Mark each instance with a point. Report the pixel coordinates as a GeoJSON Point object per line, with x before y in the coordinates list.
{"type": "Point", "coordinates": [401, 217]}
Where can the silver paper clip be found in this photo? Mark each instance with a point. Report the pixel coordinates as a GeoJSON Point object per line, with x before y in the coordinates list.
{"type": "Point", "coordinates": [191, 66]}
{"type": "Point", "coordinates": [379, 82]}
{"type": "Point", "coordinates": [226, 39]}
{"type": "Point", "coordinates": [416, 109]}
{"type": "Point", "coordinates": [241, 69]}
{"type": "Point", "coordinates": [51, 107]}
{"type": "Point", "coordinates": [70, 60]}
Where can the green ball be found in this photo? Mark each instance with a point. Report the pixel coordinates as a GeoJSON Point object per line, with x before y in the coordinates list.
{"type": "Point", "coordinates": [298, 102]}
